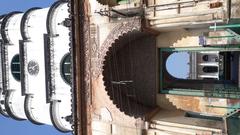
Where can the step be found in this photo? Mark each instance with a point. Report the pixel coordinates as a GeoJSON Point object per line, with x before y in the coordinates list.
{"type": "Point", "coordinates": [181, 130]}
{"type": "Point", "coordinates": [161, 132]}
{"type": "Point", "coordinates": [161, 124]}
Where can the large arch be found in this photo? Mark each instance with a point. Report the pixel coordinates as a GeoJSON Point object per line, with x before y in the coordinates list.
{"type": "Point", "coordinates": [118, 30]}
{"type": "Point", "coordinates": [133, 88]}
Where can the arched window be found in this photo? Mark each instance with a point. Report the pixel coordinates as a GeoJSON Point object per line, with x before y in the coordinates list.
{"type": "Point", "coordinates": [66, 68]}
{"type": "Point", "coordinates": [205, 57]}
{"type": "Point", "coordinates": [15, 67]}
{"type": "Point", "coordinates": [210, 69]}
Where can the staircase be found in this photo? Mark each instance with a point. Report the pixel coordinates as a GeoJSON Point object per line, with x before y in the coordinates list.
{"type": "Point", "coordinates": [171, 128]}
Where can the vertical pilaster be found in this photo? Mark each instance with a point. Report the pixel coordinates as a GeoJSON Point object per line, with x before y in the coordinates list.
{"type": "Point", "coordinates": [81, 66]}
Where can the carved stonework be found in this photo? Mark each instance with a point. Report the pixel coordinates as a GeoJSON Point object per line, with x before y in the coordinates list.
{"type": "Point", "coordinates": [87, 61]}
{"type": "Point", "coordinates": [118, 30]}
{"type": "Point", "coordinates": [94, 43]}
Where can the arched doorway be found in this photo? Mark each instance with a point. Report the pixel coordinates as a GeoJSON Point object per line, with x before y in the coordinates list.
{"type": "Point", "coordinates": [129, 72]}
{"type": "Point", "coordinates": [213, 72]}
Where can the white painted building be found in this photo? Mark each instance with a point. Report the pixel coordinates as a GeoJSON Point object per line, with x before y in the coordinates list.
{"type": "Point", "coordinates": [35, 81]}
{"type": "Point", "coordinates": [205, 65]}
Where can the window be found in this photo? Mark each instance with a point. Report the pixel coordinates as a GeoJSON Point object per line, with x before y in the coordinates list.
{"type": "Point", "coordinates": [205, 57]}
{"type": "Point", "coordinates": [210, 58]}
{"type": "Point", "coordinates": [210, 69]}
{"type": "Point", "coordinates": [15, 67]}
{"type": "Point", "coordinates": [66, 68]}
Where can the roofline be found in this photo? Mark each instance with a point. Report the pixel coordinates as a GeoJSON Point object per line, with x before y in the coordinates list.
{"type": "Point", "coordinates": [8, 108]}
{"type": "Point", "coordinates": [23, 21]}
{"type": "Point", "coordinates": [55, 124]}
{"type": "Point", "coordinates": [50, 13]}
{"type": "Point", "coordinates": [4, 22]}
{"type": "Point", "coordinates": [2, 16]}
{"type": "Point", "coordinates": [27, 112]}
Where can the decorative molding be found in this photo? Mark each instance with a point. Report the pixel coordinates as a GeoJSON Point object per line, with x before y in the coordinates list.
{"type": "Point", "coordinates": [2, 94]}
{"type": "Point", "coordinates": [94, 43]}
{"type": "Point", "coordinates": [87, 61]}
{"type": "Point", "coordinates": [49, 66]}
{"type": "Point", "coordinates": [23, 63]}
{"type": "Point", "coordinates": [119, 30]}
{"type": "Point", "coordinates": [5, 67]}
{"type": "Point", "coordinates": [73, 104]}
{"type": "Point", "coordinates": [24, 22]}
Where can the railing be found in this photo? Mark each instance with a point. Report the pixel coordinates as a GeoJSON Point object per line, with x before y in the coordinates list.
{"type": "Point", "coordinates": [216, 92]}
{"type": "Point", "coordinates": [177, 5]}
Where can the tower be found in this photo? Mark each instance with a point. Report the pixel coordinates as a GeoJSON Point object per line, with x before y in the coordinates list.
{"type": "Point", "coordinates": [36, 66]}
{"type": "Point", "coordinates": [119, 76]}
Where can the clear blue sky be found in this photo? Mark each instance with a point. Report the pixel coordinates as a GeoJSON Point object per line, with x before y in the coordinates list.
{"type": "Point", "coordinates": [177, 65]}
{"type": "Point", "coordinates": [7, 125]}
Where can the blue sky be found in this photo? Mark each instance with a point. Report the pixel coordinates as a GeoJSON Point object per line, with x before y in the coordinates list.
{"type": "Point", "coordinates": [177, 65]}
{"type": "Point", "coordinates": [7, 6]}
{"type": "Point", "coordinates": [7, 125]}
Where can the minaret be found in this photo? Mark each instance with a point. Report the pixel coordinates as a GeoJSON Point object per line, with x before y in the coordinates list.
{"type": "Point", "coordinates": [36, 66]}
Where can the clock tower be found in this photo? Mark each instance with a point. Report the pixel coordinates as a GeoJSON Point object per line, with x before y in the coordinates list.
{"type": "Point", "coordinates": [36, 66]}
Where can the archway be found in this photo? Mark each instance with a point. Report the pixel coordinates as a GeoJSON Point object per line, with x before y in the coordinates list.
{"type": "Point", "coordinates": [129, 72]}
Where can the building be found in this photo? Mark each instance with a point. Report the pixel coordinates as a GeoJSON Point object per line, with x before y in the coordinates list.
{"type": "Point", "coordinates": [132, 92]}
{"type": "Point", "coordinates": [205, 65]}
{"type": "Point", "coordinates": [36, 66]}
{"type": "Point", "coordinates": [120, 82]}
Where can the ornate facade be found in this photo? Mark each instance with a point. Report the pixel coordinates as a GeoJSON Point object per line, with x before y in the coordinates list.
{"type": "Point", "coordinates": [117, 81]}
{"type": "Point", "coordinates": [36, 66]}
